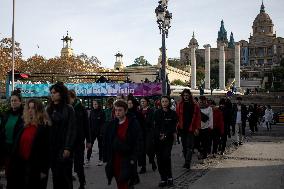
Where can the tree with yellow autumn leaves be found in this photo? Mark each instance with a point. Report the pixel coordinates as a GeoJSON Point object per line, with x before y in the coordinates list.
{"type": "Point", "coordinates": [53, 69]}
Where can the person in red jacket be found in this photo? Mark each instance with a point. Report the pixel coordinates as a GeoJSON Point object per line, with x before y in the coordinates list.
{"type": "Point", "coordinates": [189, 121]}
{"type": "Point", "coordinates": [218, 127]}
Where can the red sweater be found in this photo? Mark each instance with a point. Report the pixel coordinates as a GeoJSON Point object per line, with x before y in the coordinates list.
{"type": "Point", "coordinates": [121, 134]}
{"type": "Point", "coordinates": [26, 141]}
{"type": "Point", "coordinates": [218, 120]}
{"type": "Point", "coordinates": [196, 118]}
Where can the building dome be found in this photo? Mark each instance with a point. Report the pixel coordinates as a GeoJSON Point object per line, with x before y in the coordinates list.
{"type": "Point", "coordinates": [262, 18]}
{"type": "Point", "coordinates": [263, 23]}
{"type": "Point", "coordinates": [193, 41]}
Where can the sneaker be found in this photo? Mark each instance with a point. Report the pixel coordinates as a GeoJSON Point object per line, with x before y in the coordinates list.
{"type": "Point", "coordinates": [170, 182]}
{"type": "Point", "coordinates": [162, 183]}
{"type": "Point", "coordinates": [100, 163]}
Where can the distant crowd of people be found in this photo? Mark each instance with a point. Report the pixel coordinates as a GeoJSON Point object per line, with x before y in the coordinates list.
{"type": "Point", "coordinates": [35, 139]}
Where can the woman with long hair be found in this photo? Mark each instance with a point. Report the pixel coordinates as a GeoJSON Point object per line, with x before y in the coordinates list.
{"type": "Point", "coordinates": [10, 126]}
{"type": "Point", "coordinates": [62, 136]}
{"type": "Point", "coordinates": [29, 159]}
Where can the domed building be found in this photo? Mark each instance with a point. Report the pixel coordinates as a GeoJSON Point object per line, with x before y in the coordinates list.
{"type": "Point", "coordinates": [264, 48]}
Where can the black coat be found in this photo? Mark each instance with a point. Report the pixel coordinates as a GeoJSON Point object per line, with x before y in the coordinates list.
{"type": "Point", "coordinates": [130, 149]}
{"type": "Point", "coordinates": [63, 130]}
{"type": "Point", "coordinates": [82, 121]}
{"type": "Point", "coordinates": [165, 123]}
{"type": "Point", "coordinates": [17, 128]}
{"type": "Point", "coordinates": [244, 113]}
{"type": "Point", "coordinates": [97, 120]}
{"type": "Point", "coordinates": [29, 169]}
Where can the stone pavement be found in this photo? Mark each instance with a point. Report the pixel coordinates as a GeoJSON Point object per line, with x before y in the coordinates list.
{"type": "Point", "coordinates": [258, 164]}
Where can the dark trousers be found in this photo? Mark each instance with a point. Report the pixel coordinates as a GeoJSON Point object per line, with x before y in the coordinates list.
{"type": "Point", "coordinates": [100, 144]}
{"type": "Point", "coordinates": [79, 162]}
{"type": "Point", "coordinates": [253, 126]}
{"type": "Point", "coordinates": [244, 127]}
{"type": "Point", "coordinates": [164, 149]}
{"type": "Point", "coordinates": [187, 140]}
{"type": "Point", "coordinates": [147, 149]}
{"type": "Point", "coordinates": [62, 174]}
{"type": "Point", "coordinates": [204, 142]}
{"type": "Point", "coordinates": [25, 176]}
{"type": "Point", "coordinates": [216, 138]}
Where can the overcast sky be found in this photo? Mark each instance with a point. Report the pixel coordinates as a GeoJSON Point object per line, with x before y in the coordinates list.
{"type": "Point", "coordinates": [103, 27]}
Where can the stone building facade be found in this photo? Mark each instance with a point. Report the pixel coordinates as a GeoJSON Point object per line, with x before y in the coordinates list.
{"type": "Point", "coordinates": [259, 54]}
{"type": "Point", "coordinates": [185, 55]}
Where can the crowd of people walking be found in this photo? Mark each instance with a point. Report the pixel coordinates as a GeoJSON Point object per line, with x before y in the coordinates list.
{"type": "Point", "coordinates": [35, 140]}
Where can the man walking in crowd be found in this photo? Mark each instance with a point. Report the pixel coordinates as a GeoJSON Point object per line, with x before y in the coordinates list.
{"type": "Point", "coordinates": [83, 133]}
{"type": "Point", "coordinates": [121, 147]}
{"type": "Point", "coordinates": [189, 122]}
{"type": "Point", "coordinates": [239, 121]}
{"type": "Point", "coordinates": [97, 121]}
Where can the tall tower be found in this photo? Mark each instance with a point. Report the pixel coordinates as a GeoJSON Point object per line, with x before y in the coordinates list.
{"type": "Point", "coordinates": [231, 44]}
{"type": "Point", "coordinates": [193, 45]}
{"type": "Point", "coordinates": [222, 36]}
{"type": "Point", "coordinates": [118, 62]}
{"type": "Point", "coordinates": [66, 50]}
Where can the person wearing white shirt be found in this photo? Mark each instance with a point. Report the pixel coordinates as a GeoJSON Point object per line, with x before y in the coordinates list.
{"type": "Point", "coordinates": [239, 121]}
{"type": "Point", "coordinates": [268, 117]}
{"type": "Point", "coordinates": [206, 126]}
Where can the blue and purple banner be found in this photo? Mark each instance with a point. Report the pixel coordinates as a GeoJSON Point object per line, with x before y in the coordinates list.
{"type": "Point", "coordinates": [94, 89]}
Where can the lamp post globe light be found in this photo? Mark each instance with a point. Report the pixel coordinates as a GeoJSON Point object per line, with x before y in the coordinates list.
{"type": "Point", "coordinates": [164, 20]}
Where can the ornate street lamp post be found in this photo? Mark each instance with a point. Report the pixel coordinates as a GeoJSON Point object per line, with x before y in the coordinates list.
{"type": "Point", "coordinates": [164, 20]}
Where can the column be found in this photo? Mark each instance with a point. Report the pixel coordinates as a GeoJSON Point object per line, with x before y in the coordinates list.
{"type": "Point", "coordinates": [207, 66]}
{"type": "Point", "coordinates": [222, 67]}
{"type": "Point", "coordinates": [237, 65]}
{"type": "Point", "coordinates": [193, 67]}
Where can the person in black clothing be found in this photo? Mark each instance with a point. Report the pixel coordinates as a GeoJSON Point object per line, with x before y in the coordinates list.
{"type": "Point", "coordinates": [225, 106]}
{"type": "Point", "coordinates": [122, 147]}
{"type": "Point", "coordinates": [253, 117]}
{"type": "Point", "coordinates": [83, 133]}
{"type": "Point", "coordinates": [134, 114]}
{"type": "Point", "coordinates": [62, 136]}
{"type": "Point", "coordinates": [165, 135]}
{"type": "Point", "coordinates": [147, 125]}
{"type": "Point", "coordinates": [29, 159]}
{"type": "Point", "coordinates": [11, 124]}
{"type": "Point", "coordinates": [97, 120]}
